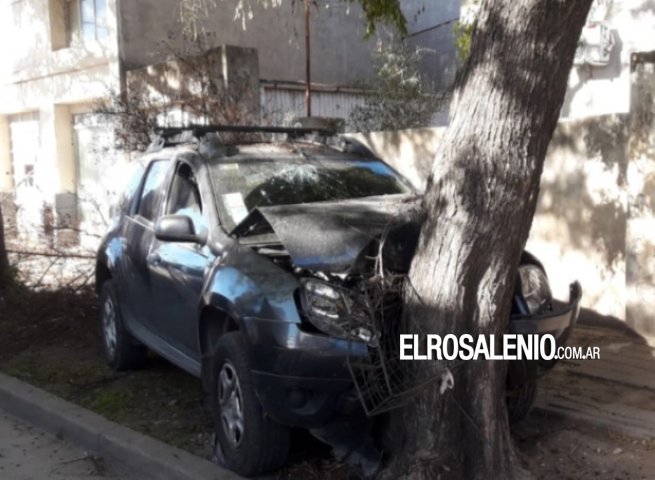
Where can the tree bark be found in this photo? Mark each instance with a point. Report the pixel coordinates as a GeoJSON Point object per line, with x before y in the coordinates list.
{"type": "Point", "coordinates": [4, 262]}
{"type": "Point", "coordinates": [479, 205]}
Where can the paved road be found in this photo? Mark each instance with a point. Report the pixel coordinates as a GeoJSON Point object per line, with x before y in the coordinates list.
{"type": "Point", "coordinates": [30, 454]}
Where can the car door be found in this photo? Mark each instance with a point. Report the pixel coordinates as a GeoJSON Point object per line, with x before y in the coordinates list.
{"type": "Point", "coordinates": [177, 269]}
{"type": "Point", "coordinates": [139, 235]}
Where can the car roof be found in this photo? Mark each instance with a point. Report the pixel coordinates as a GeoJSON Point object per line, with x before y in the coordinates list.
{"type": "Point", "coordinates": [218, 141]}
{"type": "Point", "coordinates": [282, 149]}
{"type": "Point", "coordinates": [214, 152]}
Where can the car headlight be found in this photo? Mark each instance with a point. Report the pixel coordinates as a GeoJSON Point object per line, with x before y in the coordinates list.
{"type": "Point", "coordinates": [535, 288]}
{"type": "Point", "coordinates": [334, 311]}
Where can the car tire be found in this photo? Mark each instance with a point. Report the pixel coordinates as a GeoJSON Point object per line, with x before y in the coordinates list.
{"type": "Point", "coordinates": [248, 442]}
{"type": "Point", "coordinates": [121, 350]}
{"type": "Point", "coordinates": [520, 401]}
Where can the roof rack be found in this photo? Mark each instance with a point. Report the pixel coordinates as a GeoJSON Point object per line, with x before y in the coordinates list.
{"type": "Point", "coordinates": [201, 130]}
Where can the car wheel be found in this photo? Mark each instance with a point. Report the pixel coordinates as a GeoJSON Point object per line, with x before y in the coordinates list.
{"type": "Point", "coordinates": [520, 401]}
{"type": "Point", "coordinates": [248, 442]}
{"type": "Point", "coordinates": [122, 351]}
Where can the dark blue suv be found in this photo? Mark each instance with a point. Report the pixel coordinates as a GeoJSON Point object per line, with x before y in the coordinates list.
{"type": "Point", "coordinates": [239, 260]}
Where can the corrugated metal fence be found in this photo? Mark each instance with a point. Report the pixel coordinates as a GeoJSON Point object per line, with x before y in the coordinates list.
{"type": "Point", "coordinates": [282, 102]}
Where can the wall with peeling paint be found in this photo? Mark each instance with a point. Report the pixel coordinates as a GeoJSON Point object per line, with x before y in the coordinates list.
{"type": "Point", "coordinates": [596, 214]}
{"type": "Point", "coordinates": [51, 73]}
{"type": "Point", "coordinates": [640, 238]}
{"type": "Point", "coordinates": [603, 90]}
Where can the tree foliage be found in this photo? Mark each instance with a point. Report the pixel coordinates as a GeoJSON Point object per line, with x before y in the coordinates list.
{"type": "Point", "coordinates": [464, 28]}
{"type": "Point", "coordinates": [382, 11]}
{"type": "Point", "coordinates": [463, 33]}
{"type": "Point", "coordinates": [403, 98]}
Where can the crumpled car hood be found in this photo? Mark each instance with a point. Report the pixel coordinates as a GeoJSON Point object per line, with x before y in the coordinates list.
{"type": "Point", "coordinates": [341, 236]}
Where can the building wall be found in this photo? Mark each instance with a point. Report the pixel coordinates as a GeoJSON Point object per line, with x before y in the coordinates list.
{"type": "Point", "coordinates": [596, 210]}
{"type": "Point", "coordinates": [151, 31]}
{"type": "Point", "coordinates": [37, 69]}
{"type": "Point", "coordinates": [606, 90]}
{"type": "Point", "coordinates": [640, 185]}
{"type": "Point", "coordinates": [340, 54]}
{"type": "Point", "coordinates": [430, 28]}
{"type": "Point", "coordinates": [48, 71]}
{"type": "Point", "coordinates": [101, 174]}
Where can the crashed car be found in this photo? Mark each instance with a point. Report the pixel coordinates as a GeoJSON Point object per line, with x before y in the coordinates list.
{"type": "Point", "coordinates": [236, 261]}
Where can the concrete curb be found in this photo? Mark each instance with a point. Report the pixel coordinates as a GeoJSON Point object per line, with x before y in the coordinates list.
{"type": "Point", "coordinates": [132, 450]}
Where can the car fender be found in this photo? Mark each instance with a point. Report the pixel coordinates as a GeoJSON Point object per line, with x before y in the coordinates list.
{"type": "Point", "coordinates": [253, 287]}
{"type": "Point", "coordinates": [109, 254]}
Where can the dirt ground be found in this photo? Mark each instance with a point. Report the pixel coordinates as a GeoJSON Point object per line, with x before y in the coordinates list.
{"type": "Point", "coordinates": [552, 446]}
{"type": "Point", "coordinates": [50, 338]}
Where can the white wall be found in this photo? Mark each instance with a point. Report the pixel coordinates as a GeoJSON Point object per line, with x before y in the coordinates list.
{"type": "Point", "coordinates": [51, 80]}
{"type": "Point", "coordinates": [579, 230]}
{"type": "Point", "coordinates": [605, 90]}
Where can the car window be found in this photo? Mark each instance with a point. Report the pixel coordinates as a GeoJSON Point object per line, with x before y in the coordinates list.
{"type": "Point", "coordinates": [151, 189]}
{"type": "Point", "coordinates": [184, 196]}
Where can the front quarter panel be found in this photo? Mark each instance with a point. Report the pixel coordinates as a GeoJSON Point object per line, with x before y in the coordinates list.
{"type": "Point", "coordinates": [244, 284]}
{"type": "Point", "coordinates": [110, 251]}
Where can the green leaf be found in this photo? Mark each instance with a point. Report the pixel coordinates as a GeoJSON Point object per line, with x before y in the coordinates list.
{"type": "Point", "coordinates": [382, 11]}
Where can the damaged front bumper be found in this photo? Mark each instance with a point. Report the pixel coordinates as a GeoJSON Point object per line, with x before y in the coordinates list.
{"type": "Point", "coordinates": [301, 378]}
{"type": "Point", "coordinates": [559, 322]}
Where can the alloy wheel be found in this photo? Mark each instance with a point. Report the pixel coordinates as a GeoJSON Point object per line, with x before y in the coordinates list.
{"type": "Point", "coordinates": [231, 404]}
{"type": "Point", "coordinates": [109, 326]}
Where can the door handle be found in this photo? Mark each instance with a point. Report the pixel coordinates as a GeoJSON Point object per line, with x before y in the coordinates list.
{"type": "Point", "coordinates": [154, 259]}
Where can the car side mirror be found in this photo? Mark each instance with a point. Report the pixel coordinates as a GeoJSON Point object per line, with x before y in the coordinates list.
{"type": "Point", "coordinates": [177, 228]}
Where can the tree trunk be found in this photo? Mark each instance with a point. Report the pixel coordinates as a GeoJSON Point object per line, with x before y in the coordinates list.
{"type": "Point", "coordinates": [479, 205]}
{"type": "Point", "coordinates": [4, 262]}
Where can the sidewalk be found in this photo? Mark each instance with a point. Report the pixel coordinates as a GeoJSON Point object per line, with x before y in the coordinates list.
{"type": "Point", "coordinates": [142, 456]}
{"type": "Point", "coordinates": [27, 453]}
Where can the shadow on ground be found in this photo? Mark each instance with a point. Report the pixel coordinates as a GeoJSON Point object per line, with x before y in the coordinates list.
{"type": "Point", "coordinates": [51, 339]}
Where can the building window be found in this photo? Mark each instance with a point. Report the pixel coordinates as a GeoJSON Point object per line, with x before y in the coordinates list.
{"type": "Point", "coordinates": [94, 19]}
{"type": "Point", "coordinates": [60, 19]}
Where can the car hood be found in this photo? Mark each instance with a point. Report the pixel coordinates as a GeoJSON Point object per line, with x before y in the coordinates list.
{"type": "Point", "coordinates": [339, 236]}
